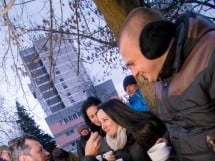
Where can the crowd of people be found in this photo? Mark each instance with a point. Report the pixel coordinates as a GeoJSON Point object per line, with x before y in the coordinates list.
{"type": "Point", "coordinates": [180, 58]}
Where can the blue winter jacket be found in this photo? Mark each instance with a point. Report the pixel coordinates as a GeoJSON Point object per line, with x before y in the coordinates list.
{"type": "Point", "coordinates": [137, 102]}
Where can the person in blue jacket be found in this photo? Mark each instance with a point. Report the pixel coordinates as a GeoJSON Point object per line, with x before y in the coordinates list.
{"type": "Point", "coordinates": [136, 99]}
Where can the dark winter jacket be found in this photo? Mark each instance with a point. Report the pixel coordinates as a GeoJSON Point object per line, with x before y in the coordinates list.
{"type": "Point", "coordinates": [136, 152]}
{"type": "Point", "coordinates": [81, 145]}
{"type": "Point", "coordinates": [137, 102]}
{"type": "Point", "coordinates": [104, 148]}
{"type": "Point", "coordinates": [186, 92]}
{"type": "Point", "coordinates": [1, 159]}
{"type": "Point", "coordinates": [131, 152]}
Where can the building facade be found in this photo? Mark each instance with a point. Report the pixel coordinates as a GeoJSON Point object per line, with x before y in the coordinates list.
{"type": "Point", "coordinates": [60, 83]}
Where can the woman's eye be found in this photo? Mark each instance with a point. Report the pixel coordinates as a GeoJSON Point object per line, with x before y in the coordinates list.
{"type": "Point", "coordinates": [105, 120]}
{"type": "Point", "coordinates": [92, 117]}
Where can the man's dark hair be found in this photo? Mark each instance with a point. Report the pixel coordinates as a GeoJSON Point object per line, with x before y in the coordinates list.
{"type": "Point", "coordinates": [17, 146]}
{"type": "Point", "coordinates": [128, 80]}
{"type": "Point", "coordinates": [2, 148]}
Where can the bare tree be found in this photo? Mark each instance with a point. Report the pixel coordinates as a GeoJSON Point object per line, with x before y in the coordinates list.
{"type": "Point", "coordinates": [92, 26]}
{"type": "Point", "coordinates": [115, 11]}
{"type": "Point", "coordinates": [8, 126]}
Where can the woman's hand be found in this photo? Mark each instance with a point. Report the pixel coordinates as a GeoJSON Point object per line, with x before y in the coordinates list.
{"type": "Point", "coordinates": [109, 156]}
{"type": "Point", "coordinates": [160, 140]}
{"type": "Point", "coordinates": [93, 144]}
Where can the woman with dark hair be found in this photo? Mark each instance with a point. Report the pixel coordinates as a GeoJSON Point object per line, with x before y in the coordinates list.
{"type": "Point", "coordinates": [89, 109]}
{"type": "Point", "coordinates": [96, 147]}
{"type": "Point", "coordinates": [95, 144]}
{"type": "Point", "coordinates": [129, 129]}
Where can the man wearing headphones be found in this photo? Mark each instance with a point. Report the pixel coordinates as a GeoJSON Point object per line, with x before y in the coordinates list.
{"type": "Point", "coordinates": [180, 58]}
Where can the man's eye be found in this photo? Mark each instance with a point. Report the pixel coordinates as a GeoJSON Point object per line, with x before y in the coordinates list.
{"type": "Point", "coordinates": [129, 64]}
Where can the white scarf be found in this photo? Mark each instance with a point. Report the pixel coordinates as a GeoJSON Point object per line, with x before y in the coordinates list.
{"type": "Point", "coordinates": [119, 141]}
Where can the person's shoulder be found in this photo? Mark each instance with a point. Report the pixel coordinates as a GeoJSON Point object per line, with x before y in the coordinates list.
{"type": "Point", "coordinates": [72, 157]}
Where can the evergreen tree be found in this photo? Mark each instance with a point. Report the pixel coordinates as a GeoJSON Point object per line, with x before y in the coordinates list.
{"type": "Point", "coordinates": [28, 126]}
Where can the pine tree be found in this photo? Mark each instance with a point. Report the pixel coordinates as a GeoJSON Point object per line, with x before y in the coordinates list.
{"type": "Point", "coordinates": [28, 126]}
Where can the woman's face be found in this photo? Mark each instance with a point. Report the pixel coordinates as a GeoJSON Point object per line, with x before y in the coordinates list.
{"type": "Point", "coordinates": [108, 125]}
{"type": "Point", "coordinates": [91, 113]}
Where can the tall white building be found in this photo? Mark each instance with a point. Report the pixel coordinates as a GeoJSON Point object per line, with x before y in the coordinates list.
{"type": "Point", "coordinates": [62, 88]}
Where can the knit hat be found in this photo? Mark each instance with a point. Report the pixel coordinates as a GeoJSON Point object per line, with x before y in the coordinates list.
{"type": "Point", "coordinates": [3, 147]}
{"type": "Point", "coordinates": [129, 80]}
{"type": "Point", "coordinates": [82, 127]}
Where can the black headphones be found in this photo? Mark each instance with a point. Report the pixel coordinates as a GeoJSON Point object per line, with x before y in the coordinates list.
{"type": "Point", "coordinates": [155, 38]}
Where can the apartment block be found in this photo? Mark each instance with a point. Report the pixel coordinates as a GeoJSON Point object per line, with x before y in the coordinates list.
{"type": "Point", "coordinates": [60, 83]}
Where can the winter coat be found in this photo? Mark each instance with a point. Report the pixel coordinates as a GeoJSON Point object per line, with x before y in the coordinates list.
{"type": "Point", "coordinates": [104, 148]}
{"type": "Point", "coordinates": [81, 145]}
{"type": "Point", "coordinates": [131, 152]}
{"type": "Point", "coordinates": [137, 102]}
{"type": "Point", "coordinates": [1, 159]}
{"type": "Point", "coordinates": [137, 153]}
{"type": "Point", "coordinates": [72, 157]}
{"type": "Point", "coordinates": [186, 92]}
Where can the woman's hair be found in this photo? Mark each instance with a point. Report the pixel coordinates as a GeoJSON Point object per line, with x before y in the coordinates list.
{"type": "Point", "coordinates": [145, 127]}
{"type": "Point", "coordinates": [90, 101]}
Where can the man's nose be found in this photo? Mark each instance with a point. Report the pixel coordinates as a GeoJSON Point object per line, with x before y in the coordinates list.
{"type": "Point", "coordinates": [134, 72]}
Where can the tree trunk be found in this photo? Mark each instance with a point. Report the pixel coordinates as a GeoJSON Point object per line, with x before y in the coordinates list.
{"type": "Point", "coordinates": [115, 12]}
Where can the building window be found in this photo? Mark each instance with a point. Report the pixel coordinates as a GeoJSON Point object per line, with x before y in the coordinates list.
{"type": "Point", "coordinates": [65, 120]}
{"type": "Point", "coordinates": [67, 133]}
{"type": "Point", "coordinates": [65, 86]}
{"type": "Point", "coordinates": [72, 100]}
{"type": "Point", "coordinates": [57, 72]}
{"type": "Point", "coordinates": [70, 118]}
{"type": "Point", "coordinates": [74, 116]}
{"type": "Point", "coordinates": [61, 122]}
{"type": "Point", "coordinates": [79, 114]}
{"type": "Point", "coordinates": [70, 132]}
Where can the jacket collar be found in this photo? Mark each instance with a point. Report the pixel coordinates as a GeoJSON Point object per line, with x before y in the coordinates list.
{"type": "Point", "coordinates": [190, 27]}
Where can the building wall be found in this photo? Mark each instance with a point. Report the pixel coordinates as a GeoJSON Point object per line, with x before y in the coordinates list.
{"type": "Point", "coordinates": [64, 124]}
{"type": "Point", "coordinates": [62, 88]}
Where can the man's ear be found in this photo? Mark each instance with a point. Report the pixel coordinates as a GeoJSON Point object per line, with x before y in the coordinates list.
{"type": "Point", "coordinates": [155, 38]}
